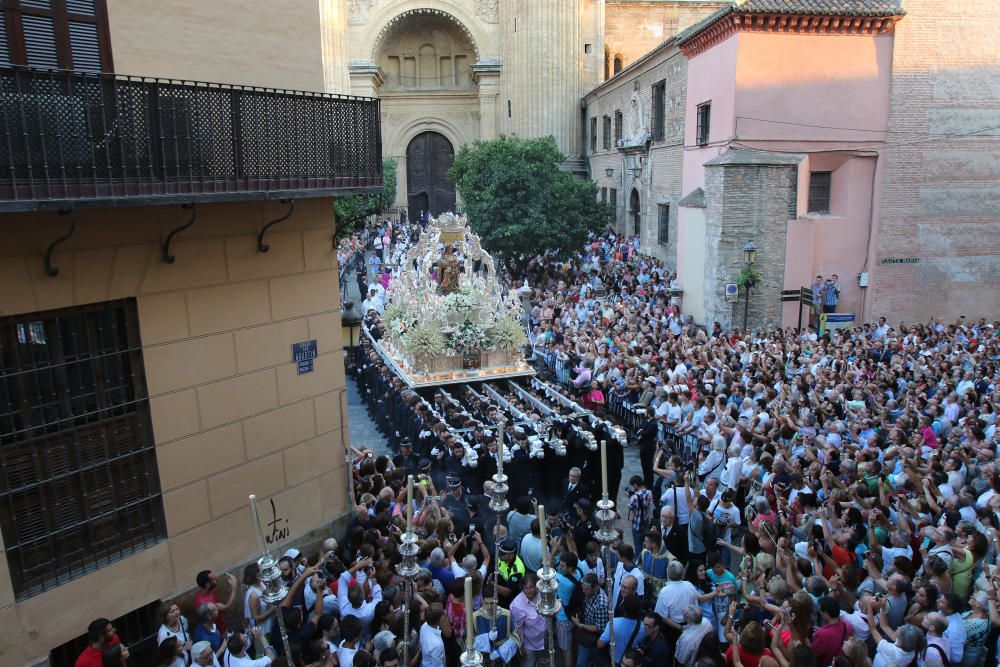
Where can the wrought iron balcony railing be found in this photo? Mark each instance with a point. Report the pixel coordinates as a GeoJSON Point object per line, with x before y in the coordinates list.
{"type": "Point", "coordinates": [70, 139]}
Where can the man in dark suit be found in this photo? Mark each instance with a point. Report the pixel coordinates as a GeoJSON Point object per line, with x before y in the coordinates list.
{"type": "Point", "coordinates": [572, 490]}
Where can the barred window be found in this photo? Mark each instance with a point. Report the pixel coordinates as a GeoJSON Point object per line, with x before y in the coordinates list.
{"type": "Point", "coordinates": [704, 123]}
{"type": "Point", "coordinates": [79, 486]}
{"type": "Point", "coordinates": [607, 132]}
{"type": "Point", "coordinates": [593, 134]}
{"type": "Point", "coordinates": [619, 125]}
{"type": "Point", "coordinates": [819, 191]}
{"type": "Point", "coordinates": [659, 110]}
{"type": "Point", "coordinates": [663, 224]}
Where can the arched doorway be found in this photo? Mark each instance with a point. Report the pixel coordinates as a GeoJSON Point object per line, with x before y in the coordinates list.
{"type": "Point", "coordinates": [428, 158]}
{"type": "Point", "coordinates": [633, 204]}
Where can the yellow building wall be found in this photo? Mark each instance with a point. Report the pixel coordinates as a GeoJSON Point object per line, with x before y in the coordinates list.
{"type": "Point", "coordinates": [271, 44]}
{"type": "Point", "coordinates": [230, 414]}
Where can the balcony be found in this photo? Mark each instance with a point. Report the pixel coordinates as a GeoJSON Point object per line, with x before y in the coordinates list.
{"type": "Point", "coordinates": [70, 139]}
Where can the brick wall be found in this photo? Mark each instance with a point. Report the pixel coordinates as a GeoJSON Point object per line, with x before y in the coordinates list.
{"type": "Point", "coordinates": [745, 202]}
{"type": "Point", "coordinates": [941, 196]}
{"type": "Point", "coordinates": [660, 179]}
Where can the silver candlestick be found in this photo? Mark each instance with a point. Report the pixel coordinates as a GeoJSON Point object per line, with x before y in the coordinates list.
{"type": "Point", "coordinates": [499, 504]}
{"type": "Point", "coordinates": [547, 604]}
{"type": "Point", "coordinates": [408, 569]}
{"type": "Point", "coordinates": [606, 535]}
{"type": "Point", "coordinates": [270, 576]}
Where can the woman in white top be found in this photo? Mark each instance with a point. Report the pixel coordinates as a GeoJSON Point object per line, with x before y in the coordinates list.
{"type": "Point", "coordinates": [174, 625]}
{"type": "Point", "coordinates": [256, 612]}
{"type": "Point", "coordinates": [894, 647]}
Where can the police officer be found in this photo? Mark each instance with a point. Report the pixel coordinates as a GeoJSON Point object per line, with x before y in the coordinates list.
{"type": "Point", "coordinates": [510, 572]}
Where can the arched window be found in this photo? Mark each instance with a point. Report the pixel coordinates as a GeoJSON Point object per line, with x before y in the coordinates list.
{"type": "Point", "coordinates": [619, 63]}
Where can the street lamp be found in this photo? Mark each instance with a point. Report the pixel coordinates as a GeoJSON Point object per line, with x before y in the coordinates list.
{"type": "Point", "coordinates": [350, 324]}
{"type": "Point", "coordinates": [609, 172]}
{"type": "Point", "coordinates": [636, 171]}
{"type": "Point", "coordinates": [750, 255]}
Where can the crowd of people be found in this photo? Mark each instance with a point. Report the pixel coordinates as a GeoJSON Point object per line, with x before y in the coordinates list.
{"type": "Point", "coordinates": [806, 499]}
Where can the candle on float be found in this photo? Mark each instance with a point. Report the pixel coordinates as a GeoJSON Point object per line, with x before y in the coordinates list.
{"type": "Point", "coordinates": [541, 528]}
{"type": "Point", "coordinates": [469, 626]}
{"type": "Point", "coordinates": [500, 426]}
{"type": "Point", "coordinates": [604, 467]}
{"type": "Point", "coordinates": [409, 503]}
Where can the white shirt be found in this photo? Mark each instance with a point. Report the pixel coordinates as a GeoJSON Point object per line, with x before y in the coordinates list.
{"type": "Point", "coordinates": [887, 654]}
{"type": "Point", "coordinates": [674, 598]}
{"type": "Point", "coordinates": [733, 472]}
{"type": "Point", "coordinates": [681, 510]}
{"type": "Point", "coordinates": [431, 647]}
{"type": "Point", "coordinates": [955, 634]}
{"type": "Point", "coordinates": [345, 655]}
{"type": "Point", "coordinates": [230, 660]}
{"type": "Point", "coordinates": [366, 611]}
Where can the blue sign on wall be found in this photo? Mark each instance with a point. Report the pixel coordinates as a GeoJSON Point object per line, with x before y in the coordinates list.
{"type": "Point", "coordinates": [303, 354]}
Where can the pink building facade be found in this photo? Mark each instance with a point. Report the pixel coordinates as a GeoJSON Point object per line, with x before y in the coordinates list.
{"type": "Point", "coordinates": [786, 119]}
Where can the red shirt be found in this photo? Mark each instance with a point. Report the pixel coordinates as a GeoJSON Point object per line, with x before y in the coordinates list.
{"type": "Point", "coordinates": [94, 657]}
{"type": "Point", "coordinates": [748, 659]}
{"type": "Point", "coordinates": [827, 640]}
{"type": "Point", "coordinates": [199, 598]}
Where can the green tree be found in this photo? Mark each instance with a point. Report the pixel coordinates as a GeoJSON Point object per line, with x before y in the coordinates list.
{"type": "Point", "coordinates": [352, 210]}
{"type": "Point", "coordinates": [520, 202]}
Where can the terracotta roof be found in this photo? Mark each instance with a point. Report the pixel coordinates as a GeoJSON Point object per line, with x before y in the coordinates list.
{"type": "Point", "coordinates": [858, 8]}
{"type": "Point", "coordinates": [872, 8]}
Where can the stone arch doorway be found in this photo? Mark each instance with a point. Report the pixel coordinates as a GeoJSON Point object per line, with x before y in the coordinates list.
{"type": "Point", "coordinates": [636, 209]}
{"type": "Point", "coordinates": [428, 158]}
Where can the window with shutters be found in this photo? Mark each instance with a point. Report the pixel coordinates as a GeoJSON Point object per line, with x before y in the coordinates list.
{"type": "Point", "coordinates": [593, 134]}
{"type": "Point", "coordinates": [819, 191]}
{"type": "Point", "coordinates": [607, 132]}
{"type": "Point", "coordinates": [619, 126]}
{"type": "Point", "coordinates": [79, 486]}
{"type": "Point", "coordinates": [613, 203]}
{"type": "Point", "coordinates": [55, 34]}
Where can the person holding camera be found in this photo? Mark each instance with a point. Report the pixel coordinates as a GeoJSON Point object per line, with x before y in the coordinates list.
{"type": "Point", "coordinates": [236, 650]}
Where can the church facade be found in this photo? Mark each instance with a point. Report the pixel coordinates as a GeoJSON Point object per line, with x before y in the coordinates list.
{"type": "Point", "coordinates": [450, 72]}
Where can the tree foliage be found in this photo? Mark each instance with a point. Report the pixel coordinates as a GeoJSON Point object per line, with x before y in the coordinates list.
{"type": "Point", "coordinates": [352, 210]}
{"type": "Point", "coordinates": [520, 202]}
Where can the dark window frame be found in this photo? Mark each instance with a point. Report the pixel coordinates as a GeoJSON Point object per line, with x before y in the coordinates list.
{"type": "Point", "coordinates": [593, 134]}
{"type": "Point", "coordinates": [613, 203]}
{"type": "Point", "coordinates": [663, 224]}
{"type": "Point", "coordinates": [704, 123]}
{"type": "Point", "coordinates": [604, 195]}
{"type": "Point", "coordinates": [79, 484]}
{"type": "Point", "coordinates": [659, 94]}
{"type": "Point", "coordinates": [619, 126]}
{"type": "Point", "coordinates": [820, 189]}
{"type": "Point", "coordinates": [14, 12]}
{"type": "Point", "coordinates": [606, 132]}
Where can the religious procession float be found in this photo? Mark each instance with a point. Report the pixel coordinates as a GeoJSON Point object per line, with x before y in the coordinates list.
{"type": "Point", "coordinates": [448, 319]}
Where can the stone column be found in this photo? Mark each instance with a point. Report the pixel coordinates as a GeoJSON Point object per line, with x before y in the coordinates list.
{"type": "Point", "coordinates": [486, 75]}
{"type": "Point", "coordinates": [333, 31]}
{"type": "Point", "coordinates": [542, 41]}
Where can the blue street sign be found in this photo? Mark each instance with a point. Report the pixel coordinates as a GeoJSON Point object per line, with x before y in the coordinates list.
{"type": "Point", "coordinates": [305, 366]}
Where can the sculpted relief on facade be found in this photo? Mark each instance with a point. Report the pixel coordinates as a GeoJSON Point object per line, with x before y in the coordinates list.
{"type": "Point", "coordinates": [487, 11]}
{"type": "Point", "coordinates": [357, 11]}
